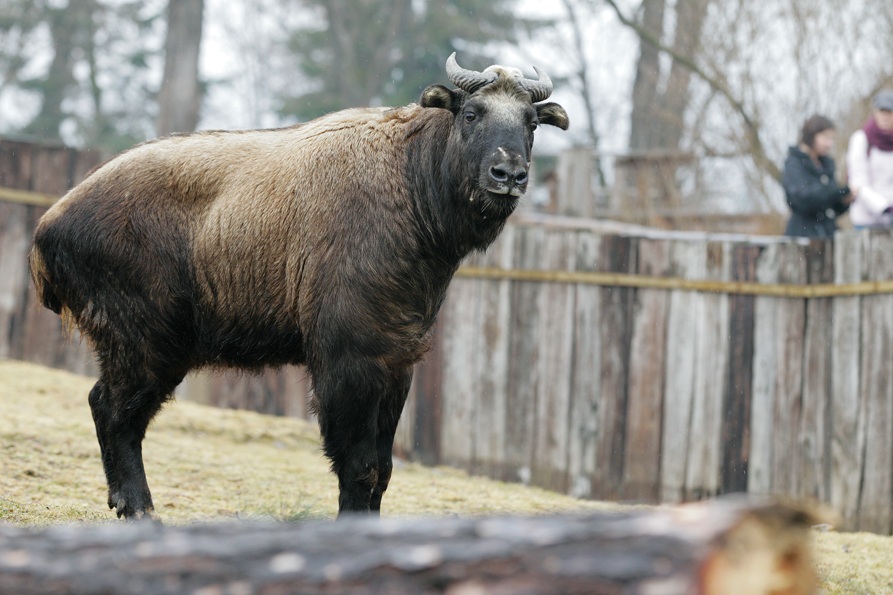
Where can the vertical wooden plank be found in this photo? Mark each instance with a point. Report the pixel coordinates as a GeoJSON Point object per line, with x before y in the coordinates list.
{"type": "Point", "coordinates": [85, 160]}
{"type": "Point", "coordinates": [813, 444]}
{"type": "Point", "coordinates": [712, 324]}
{"type": "Point", "coordinates": [493, 361]}
{"type": "Point", "coordinates": [524, 349]}
{"type": "Point", "coordinates": [45, 341]}
{"type": "Point", "coordinates": [553, 381]}
{"type": "Point", "coordinates": [16, 164]}
{"type": "Point", "coordinates": [404, 438]}
{"type": "Point", "coordinates": [586, 382]}
{"type": "Point", "coordinates": [739, 383]}
{"type": "Point", "coordinates": [231, 389]}
{"type": "Point", "coordinates": [688, 260]}
{"type": "Point", "coordinates": [53, 171]}
{"type": "Point", "coordinates": [427, 401]}
{"type": "Point", "coordinates": [284, 391]}
{"type": "Point", "coordinates": [14, 279]}
{"type": "Point", "coordinates": [765, 370]}
{"type": "Point", "coordinates": [647, 374]}
{"type": "Point", "coordinates": [461, 343]}
{"type": "Point", "coordinates": [789, 334]}
{"type": "Point", "coordinates": [40, 337]}
{"type": "Point", "coordinates": [294, 390]}
{"type": "Point", "coordinates": [850, 251]}
{"type": "Point", "coordinates": [876, 432]}
{"type": "Point", "coordinates": [618, 254]}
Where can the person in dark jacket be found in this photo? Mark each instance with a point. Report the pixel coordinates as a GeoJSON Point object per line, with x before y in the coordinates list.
{"type": "Point", "coordinates": [815, 198]}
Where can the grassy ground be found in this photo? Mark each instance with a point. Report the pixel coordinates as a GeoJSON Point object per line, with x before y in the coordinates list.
{"type": "Point", "coordinates": [212, 464]}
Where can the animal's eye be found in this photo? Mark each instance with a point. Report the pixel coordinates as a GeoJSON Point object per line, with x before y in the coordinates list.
{"type": "Point", "coordinates": [534, 125]}
{"type": "Point", "coordinates": [470, 116]}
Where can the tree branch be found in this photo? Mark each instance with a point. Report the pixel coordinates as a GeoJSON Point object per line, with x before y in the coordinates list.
{"type": "Point", "coordinates": [754, 142]}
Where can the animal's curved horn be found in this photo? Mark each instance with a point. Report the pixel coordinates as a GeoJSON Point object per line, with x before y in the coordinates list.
{"type": "Point", "coordinates": [539, 90]}
{"type": "Point", "coordinates": [467, 80]}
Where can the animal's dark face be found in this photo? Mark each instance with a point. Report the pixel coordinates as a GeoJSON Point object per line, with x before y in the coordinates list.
{"type": "Point", "coordinates": [492, 136]}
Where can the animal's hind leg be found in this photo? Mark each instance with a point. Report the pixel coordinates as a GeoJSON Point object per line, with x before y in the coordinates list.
{"type": "Point", "coordinates": [389, 411]}
{"type": "Point", "coordinates": [121, 413]}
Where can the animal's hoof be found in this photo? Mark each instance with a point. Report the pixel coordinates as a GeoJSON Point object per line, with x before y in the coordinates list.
{"type": "Point", "coordinates": [120, 507]}
{"type": "Point", "coordinates": [129, 513]}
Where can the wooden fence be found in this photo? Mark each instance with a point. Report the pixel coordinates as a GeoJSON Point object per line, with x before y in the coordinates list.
{"type": "Point", "coordinates": [669, 367]}
{"type": "Point", "coordinates": [601, 360]}
{"type": "Point", "coordinates": [32, 177]}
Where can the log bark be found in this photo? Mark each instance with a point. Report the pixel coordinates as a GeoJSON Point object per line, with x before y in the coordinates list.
{"type": "Point", "coordinates": [727, 546]}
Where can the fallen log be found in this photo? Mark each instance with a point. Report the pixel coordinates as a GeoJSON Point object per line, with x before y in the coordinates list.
{"type": "Point", "coordinates": [725, 546]}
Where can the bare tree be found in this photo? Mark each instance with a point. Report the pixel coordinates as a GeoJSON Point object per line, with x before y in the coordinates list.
{"type": "Point", "coordinates": [179, 100]}
{"type": "Point", "coordinates": [717, 82]}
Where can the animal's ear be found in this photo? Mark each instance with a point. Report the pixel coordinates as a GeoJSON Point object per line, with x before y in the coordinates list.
{"type": "Point", "coordinates": [440, 96]}
{"type": "Point", "coordinates": [552, 114]}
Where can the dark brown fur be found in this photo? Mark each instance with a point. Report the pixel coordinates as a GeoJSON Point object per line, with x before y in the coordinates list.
{"type": "Point", "coordinates": [329, 243]}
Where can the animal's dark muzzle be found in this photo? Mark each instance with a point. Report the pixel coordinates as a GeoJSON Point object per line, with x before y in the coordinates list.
{"type": "Point", "coordinates": [506, 173]}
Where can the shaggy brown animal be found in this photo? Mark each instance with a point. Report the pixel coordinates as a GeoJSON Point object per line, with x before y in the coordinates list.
{"type": "Point", "coordinates": [330, 243]}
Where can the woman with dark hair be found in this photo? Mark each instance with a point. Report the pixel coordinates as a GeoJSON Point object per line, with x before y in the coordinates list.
{"type": "Point", "coordinates": [870, 166]}
{"type": "Point", "coordinates": [815, 198]}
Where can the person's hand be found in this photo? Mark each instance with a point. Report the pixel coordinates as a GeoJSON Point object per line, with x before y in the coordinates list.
{"type": "Point", "coordinates": [849, 198]}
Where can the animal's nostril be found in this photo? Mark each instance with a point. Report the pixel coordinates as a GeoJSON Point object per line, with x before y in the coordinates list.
{"type": "Point", "coordinates": [498, 174]}
{"type": "Point", "coordinates": [511, 175]}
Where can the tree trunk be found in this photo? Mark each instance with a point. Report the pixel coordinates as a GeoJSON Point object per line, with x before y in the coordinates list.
{"type": "Point", "coordinates": [727, 546]}
{"type": "Point", "coordinates": [673, 102]}
{"type": "Point", "coordinates": [179, 100]}
{"type": "Point", "coordinates": [660, 99]}
{"type": "Point", "coordinates": [645, 86]}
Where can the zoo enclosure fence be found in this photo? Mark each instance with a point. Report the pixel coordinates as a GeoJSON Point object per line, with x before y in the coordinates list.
{"type": "Point", "coordinates": [600, 360]}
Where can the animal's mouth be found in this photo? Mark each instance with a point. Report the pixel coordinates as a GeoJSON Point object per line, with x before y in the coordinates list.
{"type": "Point", "coordinates": [504, 189]}
{"type": "Point", "coordinates": [500, 204]}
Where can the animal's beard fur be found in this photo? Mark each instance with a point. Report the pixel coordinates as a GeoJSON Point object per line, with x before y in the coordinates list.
{"type": "Point", "coordinates": [497, 205]}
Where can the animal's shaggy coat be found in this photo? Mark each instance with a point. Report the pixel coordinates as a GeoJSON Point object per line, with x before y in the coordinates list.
{"type": "Point", "coordinates": [329, 243]}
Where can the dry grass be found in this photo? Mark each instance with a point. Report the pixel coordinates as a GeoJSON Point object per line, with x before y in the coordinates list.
{"type": "Point", "coordinates": [212, 464]}
{"type": "Point", "coordinates": [205, 463]}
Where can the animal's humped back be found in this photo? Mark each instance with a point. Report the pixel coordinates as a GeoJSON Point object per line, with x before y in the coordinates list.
{"type": "Point", "coordinates": [239, 166]}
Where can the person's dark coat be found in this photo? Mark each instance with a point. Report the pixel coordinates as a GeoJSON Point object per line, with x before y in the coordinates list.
{"type": "Point", "coordinates": [815, 198]}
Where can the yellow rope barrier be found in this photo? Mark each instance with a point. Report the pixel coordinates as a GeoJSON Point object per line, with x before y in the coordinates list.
{"type": "Point", "coordinates": [604, 279]}
{"type": "Point", "coordinates": [703, 285]}
{"type": "Point", "coordinates": [27, 197]}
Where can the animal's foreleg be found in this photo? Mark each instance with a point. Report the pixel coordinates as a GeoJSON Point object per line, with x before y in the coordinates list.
{"type": "Point", "coordinates": [348, 393]}
{"type": "Point", "coordinates": [389, 411]}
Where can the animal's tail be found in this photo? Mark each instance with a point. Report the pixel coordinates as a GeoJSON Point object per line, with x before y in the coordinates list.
{"type": "Point", "coordinates": [43, 283]}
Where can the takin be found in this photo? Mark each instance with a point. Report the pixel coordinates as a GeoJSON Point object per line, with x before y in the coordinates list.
{"type": "Point", "coordinates": [330, 243]}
